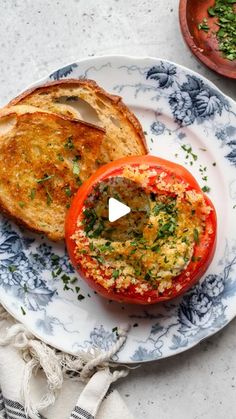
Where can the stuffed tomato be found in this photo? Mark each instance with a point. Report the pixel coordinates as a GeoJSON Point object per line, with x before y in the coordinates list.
{"type": "Point", "coordinates": [156, 252]}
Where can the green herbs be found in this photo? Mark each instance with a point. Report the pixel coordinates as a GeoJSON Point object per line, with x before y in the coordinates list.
{"type": "Point", "coordinates": [167, 229]}
{"type": "Point", "coordinates": [116, 273]}
{"type": "Point", "coordinates": [196, 235]}
{"type": "Point", "coordinates": [21, 204]}
{"type": "Point", "coordinates": [68, 191]}
{"type": "Point", "coordinates": [189, 153]}
{"type": "Point", "coordinates": [78, 181]}
{"type": "Point", "coordinates": [49, 197]}
{"type": "Point", "coordinates": [45, 178]}
{"type": "Point", "coordinates": [76, 168]}
{"type": "Point", "coordinates": [224, 14]}
{"type": "Point", "coordinates": [105, 247]}
{"type": "Point", "coordinates": [69, 144]}
{"type": "Point", "coordinates": [168, 206]}
{"type": "Point", "coordinates": [90, 218]}
{"type": "Point", "coordinates": [156, 248]}
{"type": "Point", "coordinates": [206, 188]}
{"type": "Point", "coordinates": [225, 11]}
{"type": "Point", "coordinates": [60, 157]}
{"type": "Point", "coordinates": [23, 311]}
{"type": "Point", "coordinates": [204, 25]}
{"type": "Point", "coordinates": [167, 222]}
{"type": "Point", "coordinates": [32, 194]}
{"type": "Point", "coordinates": [203, 172]}
{"type": "Point", "coordinates": [12, 268]}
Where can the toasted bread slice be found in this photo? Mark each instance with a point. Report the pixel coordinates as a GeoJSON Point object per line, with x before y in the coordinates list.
{"type": "Point", "coordinates": [84, 99]}
{"type": "Point", "coordinates": [43, 159]}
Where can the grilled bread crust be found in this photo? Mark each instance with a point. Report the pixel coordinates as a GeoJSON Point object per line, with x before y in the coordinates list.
{"type": "Point", "coordinates": [43, 159]}
{"type": "Point", "coordinates": [84, 99]}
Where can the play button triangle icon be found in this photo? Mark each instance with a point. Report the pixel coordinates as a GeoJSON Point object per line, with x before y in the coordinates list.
{"type": "Point", "coordinates": [116, 209]}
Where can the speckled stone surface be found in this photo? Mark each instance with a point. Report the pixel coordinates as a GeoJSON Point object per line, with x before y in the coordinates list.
{"type": "Point", "coordinates": [36, 37]}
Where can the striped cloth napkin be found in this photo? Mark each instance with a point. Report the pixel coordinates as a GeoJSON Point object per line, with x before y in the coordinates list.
{"type": "Point", "coordinates": [36, 381]}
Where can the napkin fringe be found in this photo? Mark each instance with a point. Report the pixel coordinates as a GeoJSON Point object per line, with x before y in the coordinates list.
{"type": "Point", "coordinates": [56, 365]}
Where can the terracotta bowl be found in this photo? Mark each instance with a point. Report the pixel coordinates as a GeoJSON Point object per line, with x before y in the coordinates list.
{"type": "Point", "coordinates": [203, 45]}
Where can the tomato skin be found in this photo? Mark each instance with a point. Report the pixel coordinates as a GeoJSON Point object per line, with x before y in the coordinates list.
{"type": "Point", "coordinates": [204, 250]}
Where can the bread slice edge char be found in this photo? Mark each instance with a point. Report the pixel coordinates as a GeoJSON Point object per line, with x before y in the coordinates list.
{"type": "Point", "coordinates": [34, 145]}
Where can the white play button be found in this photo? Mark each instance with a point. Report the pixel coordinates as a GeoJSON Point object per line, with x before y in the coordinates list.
{"type": "Point", "coordinates": [116, 209]}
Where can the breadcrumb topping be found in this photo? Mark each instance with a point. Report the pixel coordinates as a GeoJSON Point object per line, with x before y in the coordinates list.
{"type": "Point", "coordinates": [151, 262]}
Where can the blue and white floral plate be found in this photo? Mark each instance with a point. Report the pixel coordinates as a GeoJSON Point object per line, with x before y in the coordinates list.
{"type": "Point", "coordinates": [187, 120]}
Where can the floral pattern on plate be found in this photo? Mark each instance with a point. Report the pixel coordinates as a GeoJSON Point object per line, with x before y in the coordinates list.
{"type": "Point", "coordinates": [186, 119]}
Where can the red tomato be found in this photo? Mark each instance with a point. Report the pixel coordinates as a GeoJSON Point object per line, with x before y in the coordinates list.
{"type": "Point", "coordinates": [204, 248]}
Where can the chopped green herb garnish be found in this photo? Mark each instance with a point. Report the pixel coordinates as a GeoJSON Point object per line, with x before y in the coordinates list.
{"type": "Point", "coordinates": [67, 288]}
{"type": "Point", "coordinates": [76, 158]}
{"type": "Point", "coordinates": [80, 297]}
{"type": "Point", "coordinates": [137, 271]}
{"type": "Point", "coordinates": [23, 311]}
{"type": "Point", "coordinates": [12, 268]}
{"type": "Point", "coordinates": [77, 289]}
{"type": "Point", "coordinates": [115, 329]}
{"type": "Point", "coordinates": [32, 193]}
{"type": "Point", "coordinates": [76, 168]}
{"type": "Point", "coordinates": [189, 152]}
{"type": "Point", "coordinates": [116, 273]}
{"type": "Point", "coordinates": [100, 259]}
{"type": "Point", "coordinates": [225, 12]}
{"type": "Point", "coordinates": [46, 177]}
{"type": "Point", "coordinates": [196, 235]}
{"type": "Point", "coordinates": [135, 325]}
{"type": "Point", "coordinates": [59, 271]}
{"type": "Point", "coordinates": [204, 25]}
{"type": "Point", "coordinates": [78, 181]}
{"type": "Point", "coordinates": [68, 191]}
{"type": "Point", "coordinates": [21, 204]}
{"type": "Point", "coordinates": [49, 197]}
{"type": "Point", "coordinates": [83, 252]}
{"type": "Point", "coordinates": [155, 248]}
{"type": "Point", "coordinates": [91, 246]}
{"type": "Point", "coordinates": [206, 189]}
{"type": "Point", "coordinates": [60, 157]}
{"type": "Point", "coordinates": [69, 144]}
{"type": "Point", "coordinates": [55, 258]}
{"type": "Point", "coordinates": [73, 280]}
{"type": "Point", "coordinates": [65, 278]}
{"type": "Point", "coordinates": [25, 287]}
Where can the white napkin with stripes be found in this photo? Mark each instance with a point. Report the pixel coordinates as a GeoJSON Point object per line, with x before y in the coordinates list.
{"type": "Point", "coordinates": [46, 391]}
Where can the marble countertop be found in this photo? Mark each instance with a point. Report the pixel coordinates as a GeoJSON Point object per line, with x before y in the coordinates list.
{"type": "Point", "coordinates": [36, 37]}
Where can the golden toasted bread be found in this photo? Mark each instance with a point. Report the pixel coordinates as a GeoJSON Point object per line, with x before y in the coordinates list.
{"type": "Point", "coordinates": [43, 159]}
{"type": "Point", "coordinates": [84, 99]}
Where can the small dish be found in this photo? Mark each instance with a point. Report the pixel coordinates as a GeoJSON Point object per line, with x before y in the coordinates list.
{"type": "Point", "coordinates": [203, 44]}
